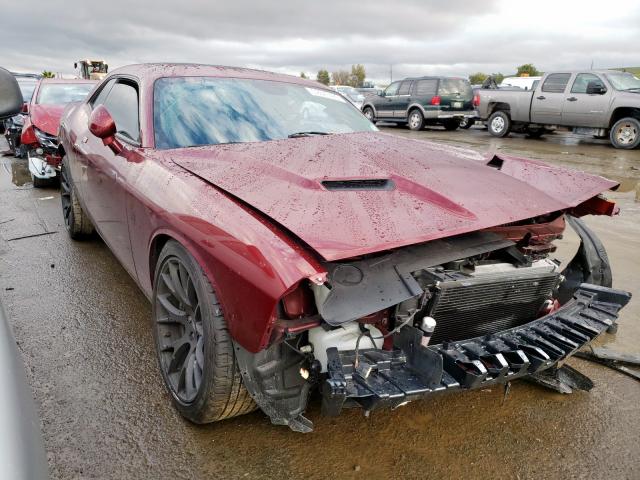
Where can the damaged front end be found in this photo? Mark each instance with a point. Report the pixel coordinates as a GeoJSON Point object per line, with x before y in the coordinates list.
{"type": "Point", "coordinates": [451, 314]}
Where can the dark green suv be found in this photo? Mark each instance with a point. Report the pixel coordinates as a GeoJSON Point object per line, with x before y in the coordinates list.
{"type": "Point", "coordinates": [423, 101]}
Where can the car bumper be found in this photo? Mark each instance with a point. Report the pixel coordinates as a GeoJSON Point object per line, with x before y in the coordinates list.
{"type": "Point", "coordinates": [411, 371]}
{"type": "Point", "coordinates": [39, 168]}
{"type": "Point", "coordinates": [445, 115]}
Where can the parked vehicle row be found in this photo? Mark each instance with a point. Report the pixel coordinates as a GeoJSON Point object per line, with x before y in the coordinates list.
{"type": "Point", "coordinates": [602, 103]}
{"type": "Point", "coordinates": [39, 132]}
{"type": "Point", "coordinates": [289, 247]}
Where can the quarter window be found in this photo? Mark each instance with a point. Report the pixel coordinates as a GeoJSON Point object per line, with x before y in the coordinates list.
{"type": "Point", "coordinates": [426, 87]}
{"type": "Point", "coordinates": [556, 82]}
{"type": "Point", "coordinates": [582, 80]}
{"type": "Point", "coordinates": [122, 104]}
{"type": "Point", "coordinates": [392, 89]}
{"type": "Point", "coordinates": [404, 88]}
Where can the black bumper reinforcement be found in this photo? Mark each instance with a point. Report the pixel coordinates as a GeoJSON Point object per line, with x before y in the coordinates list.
{"type": "Point", "coordinates": [410, 371]}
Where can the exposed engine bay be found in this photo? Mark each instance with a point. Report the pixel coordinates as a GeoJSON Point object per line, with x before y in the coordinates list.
{"type": "Point", "coordinates": [449, 314]}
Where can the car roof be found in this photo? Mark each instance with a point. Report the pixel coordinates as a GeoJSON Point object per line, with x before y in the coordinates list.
{"type": "Point", "coordinates": [149, 72]}
{"type": "Point", "coordinates": [67, 80]}
{"type": "Point", "coordinates": [434, 77]}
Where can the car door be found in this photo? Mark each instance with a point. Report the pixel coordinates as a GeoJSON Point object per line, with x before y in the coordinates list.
{"type": "Point", "coordinates": [582, 109]}
{"type": "Point", "coordinates": [385, 105]}
{"type": "Point", "coordinates": [400, 104]}
{"type": "Point", "coordinates": [548, 101]}
{"type": "Point", "coordinates": [108, 173]}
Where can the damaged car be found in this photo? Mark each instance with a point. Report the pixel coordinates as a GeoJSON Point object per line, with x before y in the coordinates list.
{"type": "Point", "coordinates": [13, 126]}
{"type": "Point", "coordinates": [39, 137]}
{"type": "Point", "coordinates": [289, 248]}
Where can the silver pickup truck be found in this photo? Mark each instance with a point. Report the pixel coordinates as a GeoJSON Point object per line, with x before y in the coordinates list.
{"type": "Point", "coordinates": [598, 103]}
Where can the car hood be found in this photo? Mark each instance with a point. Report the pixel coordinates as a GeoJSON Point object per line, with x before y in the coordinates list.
{"type": "Point", "coordinates": [46, 117]}
{"type": "Point", "coordinates": [413, 191]}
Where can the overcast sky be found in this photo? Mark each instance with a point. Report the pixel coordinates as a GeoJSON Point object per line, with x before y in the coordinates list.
{"type": "Point", "coordinates": [454, 37]}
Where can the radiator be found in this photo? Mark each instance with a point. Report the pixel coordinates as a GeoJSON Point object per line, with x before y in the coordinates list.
{"type": "Point", "coordinates": [476, 306]}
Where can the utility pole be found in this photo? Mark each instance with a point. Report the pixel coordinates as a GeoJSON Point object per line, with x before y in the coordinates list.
{"type": "Point", "coordinates": [391, 73]}
{"type": "Point", "coordinates": [591, 64]}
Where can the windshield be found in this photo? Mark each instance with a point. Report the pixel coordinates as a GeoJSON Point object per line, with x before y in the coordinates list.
{"type": "Point", "coordinates": [27, 86]}
{"type": "Point", "coordinates": [62, 93]}
{"type": "Point", "coordinates": [351, 93]}
{"type": "Point", "coordinates": [624, 81]}
{"type": "Point", "coordinates": [452, 86]}
{"type": "Point", "coordinates": [208, 111]}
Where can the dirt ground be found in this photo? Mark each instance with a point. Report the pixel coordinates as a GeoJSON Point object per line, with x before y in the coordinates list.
{"type": "Point", "coordinates": [83, 328]}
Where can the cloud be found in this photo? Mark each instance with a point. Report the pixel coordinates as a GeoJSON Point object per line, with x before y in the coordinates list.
{"type": "Point", "coordinates": [415, 36]}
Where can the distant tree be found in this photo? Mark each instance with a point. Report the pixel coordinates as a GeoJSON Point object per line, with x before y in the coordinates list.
{"type": "Point", "coordinates": [341, 77]}
{"type": "Point", "coordinates": [358, 74]}
{"type": "Point", "coordinates": [477, 78]}
{"type": "Point", "coordinates": [303, 75]}
{"type": "Point", "coordinates": [48, 74]}
{"type": "Point", "coordinates": [323, 77]}
{"type": "Point", "coordinates": [529, 69]}
{"type": "Point", "coordinates": [498, 77]}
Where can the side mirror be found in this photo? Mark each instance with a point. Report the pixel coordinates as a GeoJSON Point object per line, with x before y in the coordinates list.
{"type": "Point", "coordinates": [106, 68]}
{"type": "Point", "coordinates": [75, 64]}
{"type": "Point", "coordinates": [10, 95]}
{"type": "Point", "coordinates": [102, 125]}
{"type": "Point", "coordinates": [381, 93]}
{"type": "Point", "coordinates": [596, 88]}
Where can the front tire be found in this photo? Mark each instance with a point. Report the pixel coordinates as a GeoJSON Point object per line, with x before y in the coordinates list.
{"type": "Point", "coordinates": [195, 350]}
{"type": "Point", "coordinates": [451, 125]}
{"type": "Point", "coordinates": [39, 182]}
{"type": "Point", "coordinates": [499, 124]}
{"type": "Point", "coordinates": [76, 220]}
{"type": "Point", "coordinates": [466, 123]}
{"type": "Point", "coordinates": [625, 133]}
{"type": "Point", "coordinates": [368, 112]}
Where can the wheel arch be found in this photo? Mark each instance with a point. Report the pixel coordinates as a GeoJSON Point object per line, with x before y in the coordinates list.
{"type": "Point", "coordinates": [499, 107]}
{"type": "Point", "coordinates": [623, 112]}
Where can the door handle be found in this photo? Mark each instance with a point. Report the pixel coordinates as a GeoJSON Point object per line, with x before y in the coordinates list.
{"type": "Point", "coordinates": [541, 97]}
{"type": "Point", "coordinates": [572, 99]}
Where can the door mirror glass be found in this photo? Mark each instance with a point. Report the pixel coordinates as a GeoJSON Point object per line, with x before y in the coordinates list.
{"type": "Point", "coordinates": [596, 87]}
{"type": "Point", "coordinates": [10, 96]}
{"type": "Point", "coordinates": [381, 93]}
{"type": "Point", "coordinates": [102, 125]}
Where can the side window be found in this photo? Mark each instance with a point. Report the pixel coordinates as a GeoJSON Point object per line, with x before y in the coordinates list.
{"type": "Point", "coordinates": [582, 80]}
{"type": "Point", "coordinates": [102, 95]}
{"type": "Point", "coordinates": [392, 89]}
{"type": "Point", "coordinates": [556, 82]}
{"type": "Point", "coordinates": [122, 103]}
{"type": "Point", "coordinates": [426, 87]}
{"type": "Point", "coordinates": [404, 89]}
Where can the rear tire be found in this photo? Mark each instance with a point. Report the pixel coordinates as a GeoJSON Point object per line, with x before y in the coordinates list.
{"type": "Point", "coordinates": [467, 123]}
{"type": "Point", "coordinates": [76, 220]}
{"type": "Point", "coordinates": [625, 133]}
{"type": "Point", "coordinates": [535, 133]}
{"type": "Point", "coordinates": [499, 124]}
{"type": "Point", "coordinates": [451, 125]}
{"type": "Point", "coordinates": [415, 121]}
{"type": "Point", "coordinates": [195, 350]}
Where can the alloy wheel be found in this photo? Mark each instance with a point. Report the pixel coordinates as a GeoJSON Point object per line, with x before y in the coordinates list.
{"type": "Point", "coordinates": [65, 197]}
{"type": "Point", "coordinates": [626, 133]}
{"type": "Point", "coordinates": [178, 320]}
{"type": "Point", "coordinates": [497, 124]}
{"type": "Point", "coordinates": [414, 120]}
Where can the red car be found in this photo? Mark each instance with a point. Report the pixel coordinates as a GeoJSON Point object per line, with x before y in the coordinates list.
{"type": "Point", "coordinates": [40, 131]}
{"type": "Point", "coordinates": [288, 246]}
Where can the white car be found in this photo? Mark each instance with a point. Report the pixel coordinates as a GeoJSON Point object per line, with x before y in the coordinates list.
{"type": "Point", "coordinates": [351, 94]}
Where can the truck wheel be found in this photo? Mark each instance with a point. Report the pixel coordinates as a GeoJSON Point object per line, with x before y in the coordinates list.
{"type": "Point", "coordinates": [467, 123]}
{"type": "Point", "coordinates": [368, 112]}
{"type": "Point", "coordinates": [76, 221]}
{"type": "Point", "coordinates": [451, 125]}
{"type": "Point", "coordinates": [415, 120]}
{"type": "Point", "coordinates": [499, 124]}
{"type": "Point", "coordinates": [195, 351]}
{"type": "Point", "coordinates": [625, 133]}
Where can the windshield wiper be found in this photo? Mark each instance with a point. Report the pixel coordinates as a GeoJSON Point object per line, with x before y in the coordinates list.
{"type": "Point", "coordinates": [307, 134]}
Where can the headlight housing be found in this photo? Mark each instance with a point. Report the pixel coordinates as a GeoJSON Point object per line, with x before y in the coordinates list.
{"type": "Point", "coordinates": [46, 139]}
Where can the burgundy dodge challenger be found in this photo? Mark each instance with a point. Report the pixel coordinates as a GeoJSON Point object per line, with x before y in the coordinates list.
{"type": "Point", "coordinates": [288, 246]}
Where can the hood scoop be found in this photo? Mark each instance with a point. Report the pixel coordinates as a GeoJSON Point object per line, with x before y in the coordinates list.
{"type": "Point", "coordinates": [359, 184]}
